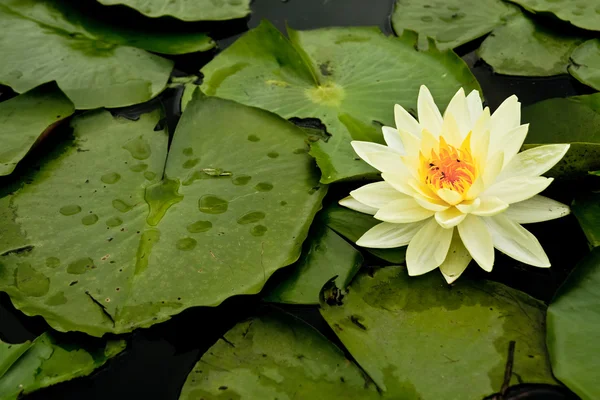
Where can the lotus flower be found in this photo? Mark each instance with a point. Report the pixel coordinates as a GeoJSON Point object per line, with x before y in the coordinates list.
{"type": "Point", "coordinates": [456, 187]}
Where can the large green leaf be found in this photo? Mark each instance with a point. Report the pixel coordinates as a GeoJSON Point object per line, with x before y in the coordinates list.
{"type": "Point", "coordinates": [188, 10]}
{"type": "Point", "coordinates": [48, 361]}
{"type": "Point", "coordinates": [586, 208]}
{"type": "Point", "coordinates": [10, 353]}
{"type": "Point", "coordinates": [106, 246]}
{"type": "Point", "coordinates": [584, 14]}
{"type": "Point", "coordinates": [353, 224]}
{"type": "Point", "coordinates": [585, 63]}
{"type": "Point", "coordinates": [25, 118]}
{"type": "Point", "coordinates": [325, 256]}
{"type": "Point", "coordinates": [275, 356]}
{"type": "Point", "coordinates": [419, 338]}
{"type": "Point", "coordinates": [524, 47]}
{"type": "Point", "coordinates": [574, 327]}
{"type": "Point", "coordinates": [452, 22]}
{"type": "Point", "coordinates": [574, 120]}
{"type": "Point", "coordinates": [91, 72]}
{"type": "Point", "coordinates": [349, 78]}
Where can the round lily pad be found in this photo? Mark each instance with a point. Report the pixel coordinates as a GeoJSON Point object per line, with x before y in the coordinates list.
{"type": "Point", "coordinates": [188, 10]}
{"type": "Point", "coordinates": [582, 13]}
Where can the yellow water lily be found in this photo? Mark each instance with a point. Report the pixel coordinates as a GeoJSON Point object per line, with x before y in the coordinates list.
{"type": "Point", "coordinates": [455, 186]}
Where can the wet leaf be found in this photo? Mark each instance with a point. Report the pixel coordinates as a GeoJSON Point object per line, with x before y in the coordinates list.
{"type": "Point", "coordinates": [275, 356]}
{"type": "Point", "coordinates": [92, 71]}
{"type": "Point", "coordinates": [419, 338]}
{"type": "Point", "coordinates": [573, 326]}
{"type": "Point", "coordinates": [451, 22]}
{"type": "Point", "coordinates": [101, 244]}
{"type": "Point", "coordinates": [585, 63]}
{"type": "Point", "coordinates": [348, 78]}
{"type": "Point", "coordinates": [584, 14]}
{"type": "Point", "coordinates": [10, 353]}
{"type": "Point", "coordinates": [25, 118]}
{"type": "Point", "coordinates": [48, 361]}
{"type": "Point", "coordinates": [574, 120]}
{"type": "Point", "coordinates": [586, 208]}
{"type": "Point", "coordinates": [527, 48]}
{"type": "Point", "coordinates": [325, 257]}
{"type": "Point", "coordinates": [198, 10]}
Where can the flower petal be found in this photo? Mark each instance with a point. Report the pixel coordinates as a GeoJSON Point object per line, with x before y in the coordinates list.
{"type": "Point", "coordinates": [474, 106]}
{"type": "Point", "coordinates": [515, 241]}
{"type": "Point", "coordinates": [399, 180]}
{"type": "Point", "coordinates": [449, 218]}
{"type": "Point", "coordinates": [506, 118]}
{"type": "Point", "coordinates": [353, 204]}
{"type": "Point", "coordinates": [457, 108]}
{"type": "Point", "coordinates": [480, 138]}
{"type": "Point", "coordinates": [377, 194]}
{"type": "Point", "coordinates": [512, 143]}
{"type": "Point", "coordinates": [428, 142]}
{"type": "Point", "coordinates": [517, 189]}
{"type": "Point", "coordinates": [411, 143]}
{"type": "Point", "coordinates": [385, 161]}
{"type": "Point", "coordinates": [451, 131]}
{"type": "Point", "coordinates": [405, 121]}
{"type": "Point", "coordinates": [535, 161]}
{"type": "Point", "coordinates": [429, 114]}
{"type": "Point", "coordinates": [476, 188]}
{"type": "Point", "coordinates": [364, 148]}
{"type": "Point", "coordinates": [403, 212]}
{"type": "Point", "coordinates": [468, 206]}
{"type": "Point", "coordinates": [428, 248]}
{"type": "Point", "coordinates": [492, 169]}
{"type": "Point", "coordinates": [431, 204]}
{"type": "Point", "coordinates": [536, 209]}
{"type": "Point", "coordinates": [450, 196]}
{"type": "Point", "coordinates": [456, 261]}
{"type": "Point", "coordinates": [489, 205]}
{"type": "Point", "coordinates": [392, 138]}
{"type": "Point", "coordinates": [386, 235]}
{"type": "Point", "coordinates": [478, 240]}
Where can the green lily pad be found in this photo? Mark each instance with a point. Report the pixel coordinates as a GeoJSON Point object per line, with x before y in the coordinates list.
{"type": "Point", "coordinates": [104, 245]}
{"type": "Point", "coordinates": [586, 208]}
{"type": "Point", "coordinates": [353, 224]}
{"type": "Point", "coordinates": [275, 356]}
{"type": "Point", "coordinates": [91, 72]}
{"type": "Point", "coordinates": [10, 353]}
{"type": "Point", "coordinates": [419, 338]}
{"type": "Point", "coordinates": [526, 48]}
{"type": "Point", "coordinates": [48, 361]}
{"type": "Point", "coordinates": [573, 326]}
{"type": "Point", "coordinates": [25, 118]}
{"type": "Point", "coordinates": [585, 63]}
{"type": "Point", "coordinates": [186, 10]}
{"type": "Point", "coordinates": [451, 22]}
{"type": "Point", "coordinates": [326, 257]}
{"type": "Point", "coordinates": [348, 78]}
{"type": "Point", "coordinates": [584, 14]}
{"type": "Point", "coordinates": [574, 120]}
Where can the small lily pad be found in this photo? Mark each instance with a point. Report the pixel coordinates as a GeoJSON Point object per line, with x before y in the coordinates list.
{"type": "Point", "coordinates": [586, 208]}
{"type": "Point", "coordinates": [584, 14]}
{"type": "Point", "coordinates": [196, 10]}
{"type": "Point", "coordinates": [585, 63]}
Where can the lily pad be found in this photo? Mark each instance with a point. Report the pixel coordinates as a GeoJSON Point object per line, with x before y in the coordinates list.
{"type": "Point", "coordinates": [188, 10]}
{"type": "Point", "coordinates": [526, 48]}
{"type": "Point", "coordinates": [586, 208]}
{"type": "Point", "coordinates": [419, 338]}
{"type": "Point", "coordinates": [352, 225]}
{"type": "Point", "coordinates": [574, 120]}
{"type": "Point", "coordinates": [25, 118]}
{"type": "Point", "coordinates": [573, 326]}
{"type": "Point", "coordinates": [451, 22]}
{"type": "Point", "coordinates": [348, 78]}
{"type": "Point", "coordinates": [10, 353]}
{"type": "Point", "coordinates": [584, 14]}
{"type": "Point", "coordinates": [91, 72]}
{"type": "Point", "coordinates": [275, 356]}
{"type": "Point", "coordinates": [105, 245]}
{"type": "Point", "coordinates": [585, 63]}
{"type": "Point", "coordinates": [326, 257]}
{"type": "Point", "coordinates": [48, 361]}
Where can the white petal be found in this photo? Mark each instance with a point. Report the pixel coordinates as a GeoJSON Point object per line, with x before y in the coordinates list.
{"type": "Point", "coordinates": [468, 206]}
{"type": "Point", "coordinates": [478, 240]}
{"type": "Point", "coordinates": [429, 114]}
{"type": "Point", "coordinates": [492, 169]}
{"type": "Point", "coordinates": [451, 131]}
{"type": "Point", "coordinates": [489, 206]}
{"type": "Point", "coordinates": [431, 204]}
{"type": "Point", "coordinates": [405, 121]}
{"type": "Point", "coordinates": [429, 142]}
{"type": "Point", "coordinates": [385, 161]}
{"type": "Point", "coordinates": [480, 138]}
{"type": "Point", "coordinates": [450, 196]}
{"type": "Point", "coordinates": [456, 261]}
{"type": "Point", "coordinates": [412, 143]}
{"type": "Point", "coordinates": [515, 241]}
{"type": "Point", "coordinates": [428, 248]}
{"type": "Point", "coordinates": [536, 209]}
{"type": "Point", "coordinates": [535, 161]}
{"type": "Point", "coordinates": [392, 138]}
{"type": "Point", "coordinates": [399, 180]}
{"type": "Point", "coordinates": [475, 106]}
{"type": "Point", "coordinates": [403, 211]}
{"type": "Point", "coordinates": [458, 109]}
{"type": "Point", "coordinates": [377, 194]}
{"type": "Point", "coordinates": [517, 189]}
{"type": "Point", "coordinates": [476, 188]}
{"type": "Point", "coordinates": [386, 235]}
{"type": "Point", "coordinates": [356, 205]}
{"type": "Point", "coordinates": [364, 148]}
{"type": "Point", "coordinates": [506, 118]}
{"type": "Point", "coordinates": [512, 143]}
{"type": "Point", "coordinates": [449, 218]}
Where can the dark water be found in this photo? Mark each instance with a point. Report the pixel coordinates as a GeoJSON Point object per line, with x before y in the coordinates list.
{"type": "Point", "coordinates": [158, 359]}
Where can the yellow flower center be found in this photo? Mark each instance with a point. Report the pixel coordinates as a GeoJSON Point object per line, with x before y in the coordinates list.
{"type": "Point", "coordinates": [449, 168]}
